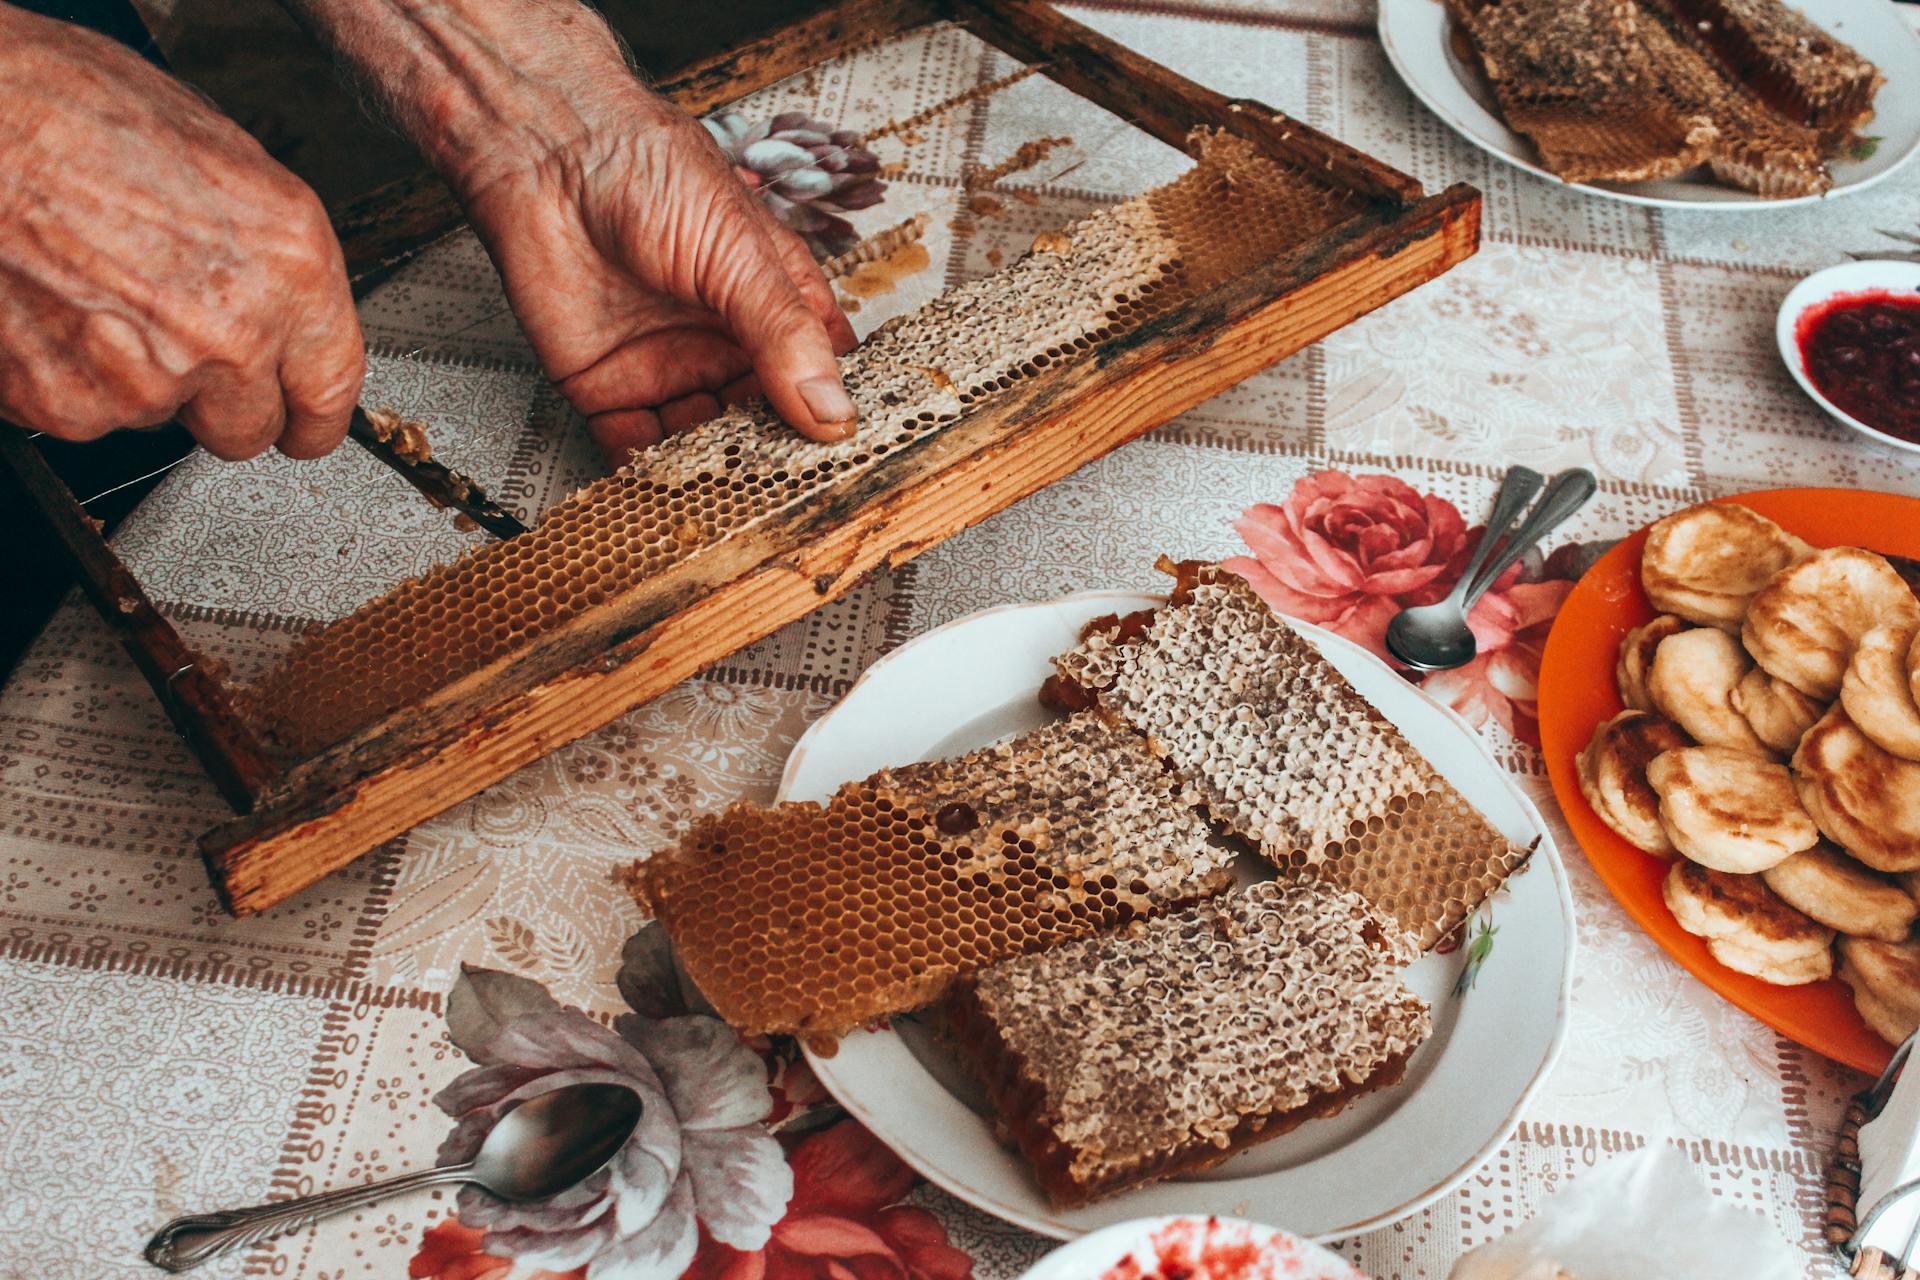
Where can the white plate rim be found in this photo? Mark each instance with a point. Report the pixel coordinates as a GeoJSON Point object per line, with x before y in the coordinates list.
{"type": "Point", "coordinates": [1846, 277]}
{"type": "Point", "coordinates": [1400, 20]}
{"type": "Point", "coordinates": [1546, 854]}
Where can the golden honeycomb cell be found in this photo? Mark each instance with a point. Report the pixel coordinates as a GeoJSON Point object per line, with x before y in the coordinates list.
{"type": "Point", "coordinates": [1196, 1034]}
{"type": "Point", "coordinates": [823, 960]}
{"type": "Point", "coordinates": [1233, 211]}
{"type": "Point", "coordinates": [1290, 758]}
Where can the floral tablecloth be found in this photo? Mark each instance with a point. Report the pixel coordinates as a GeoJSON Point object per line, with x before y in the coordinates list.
{"type": "Point", "coordinates": [157, 1057]}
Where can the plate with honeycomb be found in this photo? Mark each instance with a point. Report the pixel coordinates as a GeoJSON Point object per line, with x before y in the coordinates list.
{"type": "Point", "coordinates": [1439, 67]}
{"type": "Point", "coordinates": [974, 682]}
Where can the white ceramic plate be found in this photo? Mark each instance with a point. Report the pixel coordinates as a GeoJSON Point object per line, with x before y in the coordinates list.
{"type": "Point", "coordinates": [1146, 1243]}
{"type": "Point", "coordinates": [1848, 277]}
{"type": "Point", "coordinates": [1415, 35]}
{"type": "Point", "coordinates": [973, 682]}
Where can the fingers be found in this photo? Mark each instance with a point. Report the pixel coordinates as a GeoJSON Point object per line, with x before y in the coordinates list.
{"type": "Point", "coordinates": [688, 411]}
{"type": "Point", "coordinates": [807, 277]}
{"type": "Point", "coordinates": [322, 367]}
{"type": "Point", "coordinates": [652, 370]}
{"type": "Point", "coordinates": [301, 406]}
{"type": "Point", "coordinates": [786, 340]}
{"type": "Point", "coordinates": [622, 433]}
{"type": "Point", "coordinates": [236, 415]}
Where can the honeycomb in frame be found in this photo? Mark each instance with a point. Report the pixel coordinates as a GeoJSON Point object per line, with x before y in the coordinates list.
{"type": "Point", "coordinates": [583, 562]}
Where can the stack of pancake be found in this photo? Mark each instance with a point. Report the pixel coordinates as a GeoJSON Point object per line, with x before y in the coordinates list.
{"type": "Point", "coordinates": [1771, 748]}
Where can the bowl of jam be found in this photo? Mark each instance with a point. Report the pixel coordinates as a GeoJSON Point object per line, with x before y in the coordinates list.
{"type": "Point", "coordinates": [1851, 337]}
{"type": "Point", "coordinates": [1191, 1248]}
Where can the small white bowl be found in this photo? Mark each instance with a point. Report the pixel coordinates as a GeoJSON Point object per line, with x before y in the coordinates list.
{"type": "Point", "coordinates": [1146, 1242]}
{"type": "Point", "coordinates": [1851, 277]}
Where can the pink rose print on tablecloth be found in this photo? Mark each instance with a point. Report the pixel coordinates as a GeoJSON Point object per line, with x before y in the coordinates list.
{"type": "Point", "coordinates": [453, 1251]}
{"type": "Point", "coordinates": [704, 1182]}
{"type": "Point", "coordinates": [1349, 552]}
{"type": "Point", "coordinates": [844, 1222]}
{"type": "Point", "coordinates": [1502, 682]}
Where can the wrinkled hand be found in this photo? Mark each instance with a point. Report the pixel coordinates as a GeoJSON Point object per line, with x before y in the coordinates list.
{"type": "Point", "coordinates": [155, 261]}
{"type": "Point", "coordinates": [653, 285]}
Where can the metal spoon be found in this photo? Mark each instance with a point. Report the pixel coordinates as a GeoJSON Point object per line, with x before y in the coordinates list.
{"type": "Point", "coordinates": [1435, 637]}
{"type": "Point", "coordinates": [540, 1148]}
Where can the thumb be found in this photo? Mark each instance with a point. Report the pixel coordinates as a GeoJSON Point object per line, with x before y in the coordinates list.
{"type": "Point", "coordinates": [791, 352]}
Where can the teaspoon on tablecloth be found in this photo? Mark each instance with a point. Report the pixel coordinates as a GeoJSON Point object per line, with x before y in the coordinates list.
{"type": "Point", "coordinates": [1436, 637]}
{"type": "Point", "coordinates": [543, 1146]}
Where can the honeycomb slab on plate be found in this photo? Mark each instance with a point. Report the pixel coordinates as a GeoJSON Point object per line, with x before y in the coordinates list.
{"type": "Point", "coordinates": [1167, 1048]}
{"type": "Point", "coordinates": [602, 563]}
{"type": "Point", "coordinates": [1285, 754]}
{"type": "Point", "coordinates": [1633, 90]}
{"type": "Point", "coordinates": [818, 919]}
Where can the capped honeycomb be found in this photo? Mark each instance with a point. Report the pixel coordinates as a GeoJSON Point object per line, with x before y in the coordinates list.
{"type": "Point", "coordinates": [1631, 90]}
{"type": "Point", "coordinates": [1571, 76]}
{"type": "Point", "coordinates": [1789, 62]}
{"type": "Point", "coordinates": [1285, 754]}
{"type": "Point", "coordinates": [582, 570]}
{"type": "Point", "coordinates": [817, 919]}
{"type": "Point", "coordinates": [1192, 1036]}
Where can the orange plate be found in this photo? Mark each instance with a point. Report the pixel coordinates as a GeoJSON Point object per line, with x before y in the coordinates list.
{"type": "Point", "coordinates": [1577, 693]}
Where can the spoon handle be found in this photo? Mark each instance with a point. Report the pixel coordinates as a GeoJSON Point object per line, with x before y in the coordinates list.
{"type": "Point", "coordinates": [1516, 492]}
{"type": "Point", "coordinates": [1566, 493]}
{"type": "Point", "coordinates": [189, 1241]}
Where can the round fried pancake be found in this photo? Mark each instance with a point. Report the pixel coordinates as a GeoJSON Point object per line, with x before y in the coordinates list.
{"type": "Point", "coordinates": [1613, 776]}
{"type": "Point", "coordinates": [1729, 810]}
{"type": "Point", "coordinates": [1826, 884]}
{"type": "Point", "coordinates": [1636, 658]}
{"type": "Point", "coordinates": [1913, 669]}
{"type": "Point", "coordinates": [1739, 908]}
{"type": "Point", "coordinates": [1792, 972]}
{"type": "Point", "coordinates": [1865, 799]}
{"type": "Point", "coordinates": [1747, 926]}
{"type": "Point", "coordinates": [1777, 712]}
{"type": "Point", "coordinates": [1878, 693]}
{"type": "Point", "coordinates": [1888, 973]}
{"type": "Point", "coordinates": [1692, 683]}
{"type": "Point", "coordinates": [1804, 625]}
{"type": "Point", "coordinates": [1706, 562]}
{"type": "Point", "coordinates": [1881, 1018]}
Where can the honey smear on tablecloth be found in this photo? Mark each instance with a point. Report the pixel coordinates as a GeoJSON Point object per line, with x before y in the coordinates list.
{"type": "Point", "coordinates": [871, 279]}
{"type": "Point", "coordinates": [1862, 350]}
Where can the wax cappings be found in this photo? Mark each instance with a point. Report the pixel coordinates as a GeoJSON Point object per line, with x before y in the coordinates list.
{"type": "Point", "coordinates": [729, 477]}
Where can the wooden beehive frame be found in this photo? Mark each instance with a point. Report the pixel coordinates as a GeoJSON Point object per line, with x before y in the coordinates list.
{"type": "Point", "coordinates": [299, 823]}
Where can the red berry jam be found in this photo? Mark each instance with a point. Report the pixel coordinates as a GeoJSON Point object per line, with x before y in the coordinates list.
{"type": "Point", "coordinates": [1862, 350]}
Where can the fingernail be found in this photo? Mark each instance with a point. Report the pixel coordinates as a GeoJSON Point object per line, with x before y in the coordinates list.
{"type": "Point", "coordinates": [830, 404]}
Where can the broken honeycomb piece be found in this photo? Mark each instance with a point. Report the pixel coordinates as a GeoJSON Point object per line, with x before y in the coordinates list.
{"type": "Point", "coordinates": [1792, 65]}
{"type": "Point", "coordinates": [1192, 1036]}
{"type": "Point", "coordinates": [817, 919]}
{"type": "Point", "coordinates": [1634, 90]}
{"type": "Point", "coordinates": [408, 436]}
{"type": "Point", "coordinates": [1285, 754]}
